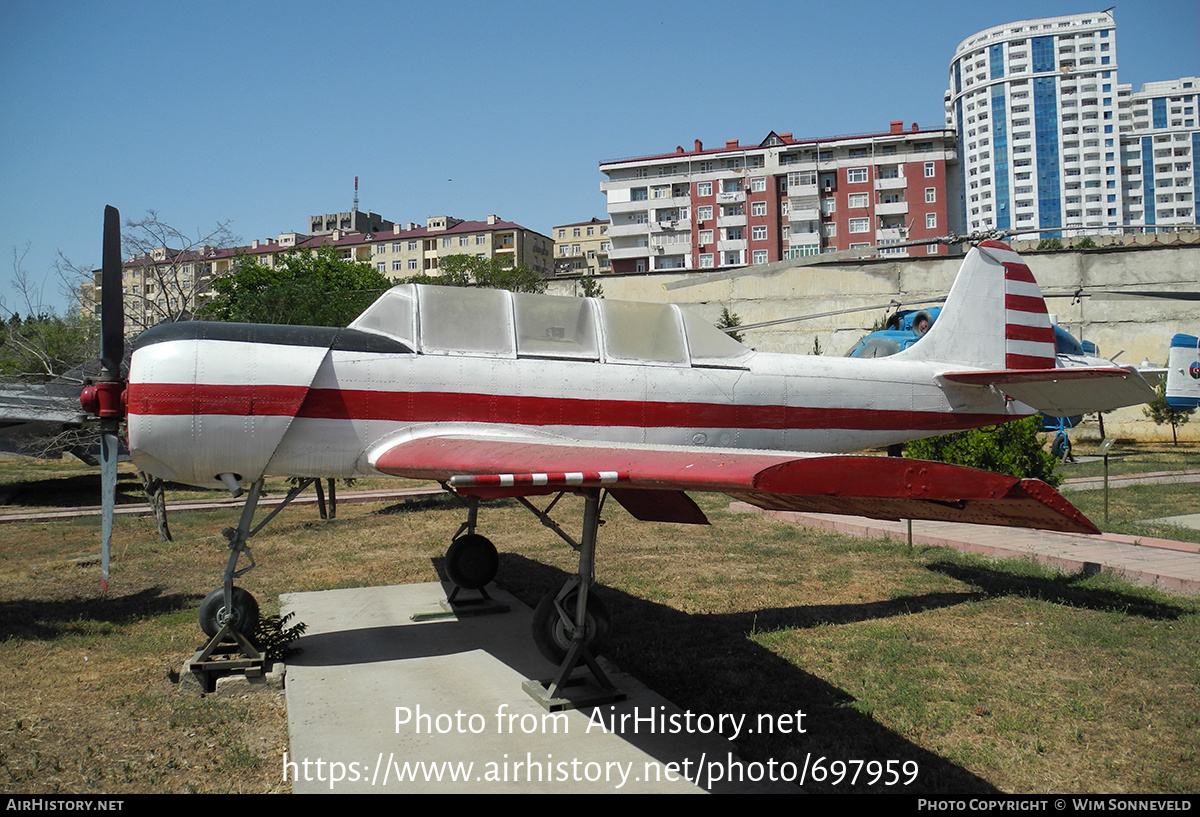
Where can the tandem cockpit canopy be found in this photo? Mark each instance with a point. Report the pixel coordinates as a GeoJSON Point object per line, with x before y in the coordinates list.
{"type": "Point", "coordinates": [497, 323]}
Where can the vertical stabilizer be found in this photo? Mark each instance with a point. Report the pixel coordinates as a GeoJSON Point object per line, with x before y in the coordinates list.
{"type": "Point", "coordinates": [994, 318]}
{"type": "Point", "coordinates": [1183, 372]}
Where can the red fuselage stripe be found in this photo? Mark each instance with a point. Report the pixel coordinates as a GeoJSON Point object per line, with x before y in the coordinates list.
{"type": "Point", "coordinates": [423, 407]}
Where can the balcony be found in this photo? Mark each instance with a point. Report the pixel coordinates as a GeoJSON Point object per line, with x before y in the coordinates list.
{"type": "Point", "coordinates": [896, 183]}
{"type": "Point", "coordinates": [629, 206]}
{"type": "Point", "coordinates": [731, 198]}
{"type": "Point", "coordinates": [632, 228]}
{"type": "Point", "coordinates": [618, 253]}
{"type": "Point", "coordinates": [895, 208]}
{"type": "Point", "coordinates": [731, 221]}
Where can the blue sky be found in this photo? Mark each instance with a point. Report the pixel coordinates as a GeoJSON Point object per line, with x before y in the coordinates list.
{"type": "Point", "coordinates": [263, 113]}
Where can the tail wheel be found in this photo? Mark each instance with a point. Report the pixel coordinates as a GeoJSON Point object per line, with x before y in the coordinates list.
{"type": "Point", "coordinates": [550, 633]}
{"type": "Point", "coordinates": [472, 561]}
{"type": "Point", "coordinates": [243, 616]}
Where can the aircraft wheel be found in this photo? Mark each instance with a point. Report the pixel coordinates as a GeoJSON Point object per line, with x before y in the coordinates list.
{"type": "Point", "coordinates": [472, 561]}
{"type": "Point", "coordinates": [244, 613]}
{"type": "Point", "coordinates": [550, 634]}
{"type": "Point", "coordinates": [1060, 449]}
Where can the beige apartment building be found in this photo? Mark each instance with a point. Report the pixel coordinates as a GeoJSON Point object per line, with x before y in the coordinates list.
{"type": "Point", "coordinates": [582, 248]}
{"type": "Point", "coordinates": [167, 284]}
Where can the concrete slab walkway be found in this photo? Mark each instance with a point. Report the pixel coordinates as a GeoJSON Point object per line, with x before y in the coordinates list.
{"type": "Point", "coordinates": [378, 702]}
{"type": "Point", "coordinates": [1163, 563]}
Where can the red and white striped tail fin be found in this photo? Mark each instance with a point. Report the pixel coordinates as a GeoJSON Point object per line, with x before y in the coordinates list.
{"type": "Point", "coordinates": [994, 318]}
{"type": "Point", "coordinates": [1028, 334]}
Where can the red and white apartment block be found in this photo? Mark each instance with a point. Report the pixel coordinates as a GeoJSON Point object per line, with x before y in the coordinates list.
{"type": "Point", "coordinates": [782, 198]}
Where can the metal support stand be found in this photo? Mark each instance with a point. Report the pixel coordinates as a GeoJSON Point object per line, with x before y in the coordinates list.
{"type": "Point", "coordinates": [562, 691]}
{"type": "Point", "coordinates": [243, 655]}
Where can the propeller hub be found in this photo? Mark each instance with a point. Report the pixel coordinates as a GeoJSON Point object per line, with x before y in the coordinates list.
{"type": "Point", "coordinates": [105, 400]}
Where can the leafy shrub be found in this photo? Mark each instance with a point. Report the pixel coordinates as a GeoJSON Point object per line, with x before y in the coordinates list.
{"type": "Point", "coordinates": [1011, 448]}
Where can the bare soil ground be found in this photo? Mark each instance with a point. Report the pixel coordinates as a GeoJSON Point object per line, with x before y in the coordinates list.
{"type": "Point", "coordinates": [992, 676]}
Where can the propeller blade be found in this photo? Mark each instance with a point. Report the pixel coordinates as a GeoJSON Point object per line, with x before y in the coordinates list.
{"type": "Point", "coordinates": [112, 307]}
{"type": "Point", "coordinates": [108, 498]}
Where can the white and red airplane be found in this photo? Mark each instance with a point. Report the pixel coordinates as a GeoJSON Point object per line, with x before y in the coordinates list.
{"type": "Point", "coordinates": [495, 394]}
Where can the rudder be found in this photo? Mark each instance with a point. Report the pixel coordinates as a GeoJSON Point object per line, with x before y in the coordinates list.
{"type": "Point", "coordinates": [994, 317]}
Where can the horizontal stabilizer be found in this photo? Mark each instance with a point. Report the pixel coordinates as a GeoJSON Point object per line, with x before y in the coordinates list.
{"type": "Point", "coordinates": [1064, 392]}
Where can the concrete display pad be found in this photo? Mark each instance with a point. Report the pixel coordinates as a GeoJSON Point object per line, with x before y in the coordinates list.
{"type": "Point", "coordinates": [376, 697]}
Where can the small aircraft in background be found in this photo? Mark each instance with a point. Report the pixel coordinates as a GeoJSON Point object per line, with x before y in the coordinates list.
{"type": "Point", "coordinates": [1183, 372]}
{"type": "Point", "coordinates": [497, 394]}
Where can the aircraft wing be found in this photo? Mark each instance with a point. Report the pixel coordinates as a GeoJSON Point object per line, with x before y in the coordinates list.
{"type": "Point", "coordinates": [1063, 392]}
{"type": "Point", "coordinates": [650, 481]}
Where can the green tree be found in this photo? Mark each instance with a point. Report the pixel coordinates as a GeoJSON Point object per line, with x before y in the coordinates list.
{"type": "Point", "coordinates": [39, 348]}
{"type": "Point", "coordinates": [590, 287]}
{"type": "Point", "coordinates": [727, 321]}
{"type": "Point", "coordinates": [1010, 448]}
{"type": "Point", "coordinates": [305, 287]}
{"type": "Point", "coordinates": [486, 273]}
{"type": "Point", "coordinates": [1161, 412]}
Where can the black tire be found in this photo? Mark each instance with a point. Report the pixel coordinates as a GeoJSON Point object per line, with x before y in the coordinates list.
{"type": "Point", "coordinates": [472, 561]}
{"type": "Point", "coordinates": [1060, 449]}
{"type": "Point", "coordinates": [245, 612]}
{"type": "Point", "coordinates": [550, 635]}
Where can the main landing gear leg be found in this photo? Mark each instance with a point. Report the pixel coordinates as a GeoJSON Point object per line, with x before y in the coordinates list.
{"type": "Point", "coordinates": [571, 625]}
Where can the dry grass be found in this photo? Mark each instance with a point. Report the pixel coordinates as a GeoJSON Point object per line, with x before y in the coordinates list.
{"type": "Point", "coordinates": [990, 676]}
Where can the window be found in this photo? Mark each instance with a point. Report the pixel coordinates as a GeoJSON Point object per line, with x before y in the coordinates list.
{"type": "Point", "coordinates": [706, 260]}
{"type": "Point", "coordinates": [575, 233]}
{"type": "Point", "coordinates": [734, 234]}
{"type": "Point", "coordinates": [591, 230]}
{"type": "Point", "coordinates": [412, 245]}
{"type": "Point", "coordinates": [661, 192]}
{"type": "Point", "coordinates": [930, 170]}
{"type": "Point", "coordinates": [704, 189]}
{"type": "Point", "coordinates": [931, 221]}
{"type": "Point", "coordinates": [930, 195]}
{"type": "Point", "coordinates": [480, 239]}
{"type": "Point", "coordinates": [638, 194]}
{"type": "Point", "coordinates": [397, 266]}
{"type": "Point", "coordinates": [856, 175]}
{"type": "Point", "coordinates": [857, 200]}
{"type": "Point", "coordinates": [828, 206]}
{"type": "Point", "coordinates": [381, 266]}
{"type": "Point", "coordinates": [562, 233]}
{"type": "Point", "coordinates": [464, 240]}
{"type": "Point", "coordinates": [860, 225]}
{"type": "Point", "coordinates": [447, 241]}
{"type": "Point", "coordinates": [380, 249]}
{"type": "Point", "coordinates": [705, 237]}
{"type": "Point", "coordinates": [758, 185]}
{"type": "Point", "coordinates": [704, 213]}
{"type": "Point", "coordinates": [759, 233]}
{"type": "Point", "coordinates": [397, 246]}
{"type": "Point", "coordinates": [758, 208]}
{"type": "Point", "coordinates": [412, 263]}
{"type": "Point", "coordinates": [731, 185]}
{"type": "Point", "coordinates": [760, 256]}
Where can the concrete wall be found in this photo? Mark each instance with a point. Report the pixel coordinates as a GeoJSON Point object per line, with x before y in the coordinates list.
{"type": "Point", "coordinates": [1141, 327]}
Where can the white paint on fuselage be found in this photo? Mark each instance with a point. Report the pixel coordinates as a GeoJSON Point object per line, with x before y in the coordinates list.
{"type": "Point", "coordinates": [195, 449]}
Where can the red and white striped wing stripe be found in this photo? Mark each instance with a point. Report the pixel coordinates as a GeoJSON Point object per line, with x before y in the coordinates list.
{"type": "Point", "coordinates": [547, 479]}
